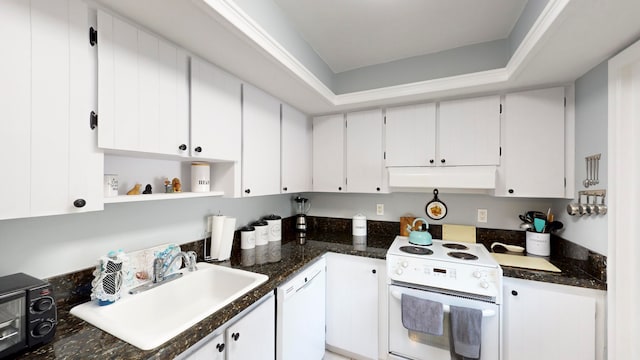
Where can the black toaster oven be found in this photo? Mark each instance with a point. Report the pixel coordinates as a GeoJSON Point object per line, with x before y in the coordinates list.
{"type": "Point", "coordinates": [28, 316]}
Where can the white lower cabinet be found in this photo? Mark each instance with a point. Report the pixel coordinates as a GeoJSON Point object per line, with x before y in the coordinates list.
{"type": "Point", "coordinates": [252, 337]}
{"type": "Point", "coordinates": [353, 306]}
{"type": "Point", "coordinates": [550, 321]}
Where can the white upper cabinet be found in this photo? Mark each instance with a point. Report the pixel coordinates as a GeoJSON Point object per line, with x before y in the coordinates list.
{"type": "Point", "coordinates": [365, 152]}
{"type": "Point", "coordinates": [533, 144]}
{"type": "Point", "coordinates": [260, 143]}
{"type": "Point", "coordinates": [216, 113]}
{"type": "Point", "coordinates": [46, 95]}
{"type": "Point", "coordinates": [329, 153]}
{"type": "Point", "coordinates": [143, 90]}
{"type": "Point", "coordinates": [411, 135]}
{"type": "Point", "coordinates": [469, 132]}
{"type": "Point", "coordinates": [297, 143]}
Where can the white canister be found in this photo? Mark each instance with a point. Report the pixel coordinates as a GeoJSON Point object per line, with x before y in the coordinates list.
{"type": "Point", "coordinates": [359, 225]}
{"type": "Point", "coordinates": [359, 232]}
{"type": "Point", "coordinates": [110, 185]}
{"type": "Point", "coordinates": [275, 227]}
{"type": "Point", "coordinates": [262, 241]}
{"type": "Point", "coordinates": [247, 246]}
{"type": "Point", "coordinates": [275, 238]}
{"type": "Point", "coordinates": [200, 177]}
{"type": "Point", "coordinates": [538, 243]}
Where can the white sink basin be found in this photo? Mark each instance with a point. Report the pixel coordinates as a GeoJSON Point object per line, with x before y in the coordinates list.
{"type": "Point", "coordinates": [148, 319]}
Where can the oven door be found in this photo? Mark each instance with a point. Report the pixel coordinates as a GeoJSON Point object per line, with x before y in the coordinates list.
{"type": "Point", "coordinates": [405, 344]}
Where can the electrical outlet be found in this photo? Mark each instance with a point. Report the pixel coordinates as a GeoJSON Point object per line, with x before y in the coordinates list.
{"type": "Point", "coordinates": [482, 215]}
{"type": "Point", "coordinates": [379, 209]}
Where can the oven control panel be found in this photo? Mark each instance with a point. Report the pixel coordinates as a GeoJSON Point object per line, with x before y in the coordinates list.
{"type": "Point", "coordinates": [467, 278]}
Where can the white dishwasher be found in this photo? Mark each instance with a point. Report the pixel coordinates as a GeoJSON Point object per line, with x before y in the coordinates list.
{"type": "Point", "coordinates": [300, 325]}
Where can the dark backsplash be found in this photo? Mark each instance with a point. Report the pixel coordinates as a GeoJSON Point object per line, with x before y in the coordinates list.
{"type": "Point", "coordinates": [75, 288]}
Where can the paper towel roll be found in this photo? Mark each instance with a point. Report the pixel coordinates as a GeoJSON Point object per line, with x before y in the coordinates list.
{"type": "Point", "coordinates": [227, 238]}
{"type": "Point", "coordinates": [217, 227]}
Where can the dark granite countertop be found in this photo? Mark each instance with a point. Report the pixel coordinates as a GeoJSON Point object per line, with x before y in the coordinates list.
{"type": "Point", "coordinates": [76, 339]}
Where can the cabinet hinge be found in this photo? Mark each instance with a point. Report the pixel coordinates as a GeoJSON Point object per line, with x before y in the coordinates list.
{"type": "Point", "coordinates": [345, 181]}
{"type": "Point", "coordinates": [500, 108]}
{"type": "Point", "coordinates": [565, 182]}
{"type": "Point", "coordinates": [565, 102]}
{"type": "Point", "coordinates": [384, 155]}
{"type": "Point", "coordinates": [93, 36]}
{"type": "Point", "coordinates": [500, 151]}
{"type": "Point", "coordinates": [93, 120]}
{"type": "Point", "coordinates": [385, 120]}
{"type": "Point", "coordinates": [345, 124]}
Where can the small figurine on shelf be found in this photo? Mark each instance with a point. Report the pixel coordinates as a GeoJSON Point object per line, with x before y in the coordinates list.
{"type": "Point", "coordinates": [168, 188]}
{"type": "Point", "coordinates": [147, 189]}
{"type": "Point", "coordinates": [177, 187]}
{"type": "Point", "coordinates": [135, 190]}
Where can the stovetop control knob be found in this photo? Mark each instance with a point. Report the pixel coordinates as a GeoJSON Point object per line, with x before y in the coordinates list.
{"type": "Point", "coordinates": [477, 274]}
{"type": "Point", "coordinates": [404, 264]}
{"type": "Point", "coordinates": [399, 271]}
{"type": "Point", "coordinates": [484, 284]}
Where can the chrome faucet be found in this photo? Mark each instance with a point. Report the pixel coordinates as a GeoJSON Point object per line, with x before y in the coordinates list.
{"type": "Point", "coordinates": [159, 276]}
{"type": "Point", "coordinates": [159, 267]}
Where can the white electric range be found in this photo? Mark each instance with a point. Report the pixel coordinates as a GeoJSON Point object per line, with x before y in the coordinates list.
{"type": "Point", "coordinates": [453, 273]}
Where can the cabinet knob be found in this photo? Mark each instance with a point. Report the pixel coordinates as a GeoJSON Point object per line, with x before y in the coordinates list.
{"type": "Point", "coordinates": [443, 161]}
{"type": "Point", "coordinates": [220, 347]}
{"type": "Point", "coordinates": [514, 293]}
{"type": "Point", "coordinates": [235, 336]}
{"type": "Point", "coordinates": [377, 189]}
{"type": "Point", "coordinates": [248, 191]}
{"type": "Point", "coordinates": [510, 191]}
{"type": "Point", "coordinates": [198, 149]}
{"type": "Point", "coordinates": [284, 188]}
{"type": "Point", "coordinates": [373, 271]}
{"type": "Point", "coordinates": [431, 161]}
{"type": "Point", "coordinates": [79, 203]}
{"type": "Point", "coordinates": [182, 147]}
{"type": "Point", "coordinates": [339, 188]}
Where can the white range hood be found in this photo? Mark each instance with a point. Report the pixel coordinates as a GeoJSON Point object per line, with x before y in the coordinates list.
{"type": "Point", "coordinates": [445, 177]}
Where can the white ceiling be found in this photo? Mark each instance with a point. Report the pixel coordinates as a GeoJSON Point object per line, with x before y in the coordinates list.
{"type": "Point", "coordinates": [349, 34]}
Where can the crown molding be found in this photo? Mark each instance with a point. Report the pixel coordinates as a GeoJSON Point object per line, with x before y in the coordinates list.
{"type": "Point", "coordinates": [244, 25]}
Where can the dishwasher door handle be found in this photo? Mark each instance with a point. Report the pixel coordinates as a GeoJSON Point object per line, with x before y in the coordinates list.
{"type": "Point", "coordinates": [309, 281]}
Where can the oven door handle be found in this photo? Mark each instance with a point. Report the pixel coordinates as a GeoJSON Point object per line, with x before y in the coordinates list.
{"type": "Point", "coordinates": [445, 308]}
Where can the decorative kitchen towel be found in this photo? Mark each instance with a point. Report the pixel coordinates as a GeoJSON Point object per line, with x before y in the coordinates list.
{"type": "Point", "coordinates": [422, 315]}
{"type": "Point", "coordinates": [466, 331]}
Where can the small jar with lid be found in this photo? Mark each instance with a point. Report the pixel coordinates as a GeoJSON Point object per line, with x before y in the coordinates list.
{"type": "Point", "coordinates": [262, 241]}
{"type": "Point", "coordinates": [275, 237]}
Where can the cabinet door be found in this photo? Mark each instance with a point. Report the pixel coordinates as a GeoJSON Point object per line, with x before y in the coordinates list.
{"type": "Point", "coordinates": [297, 144]}
{"type": "Point", "coordinates": [352, 316]}
{"type": "Point", "coordinates": [260, 143]}
{"type": "Point", "coordinates": [15, 106]}
{"type": "Point", "coordinates": [469, 132]}
{"type": "Point", "coordinates": [216, 120]}
{"type": "Point", "coordinates": [253, 336]}
{"type": "Point", "coordinates": [214, 349]}
{"type": "Point", "coordinates": [328, 153]}
{"type": "Point", "coordinates": [410, 133]}
{"type": "Point", "coordinates": [533, 149]}
{"type": "Point", "coordinates": [364, 151]}
{"type": "Point", "coordinates": [86, 161]}
{"type": "Point", "coordinates": [143, 90]}
{"type": "Point", "coordinates": [541, 322]}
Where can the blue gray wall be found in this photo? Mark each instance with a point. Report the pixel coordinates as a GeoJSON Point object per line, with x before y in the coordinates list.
{"type": "Point", "coordinates": [591, 138]}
